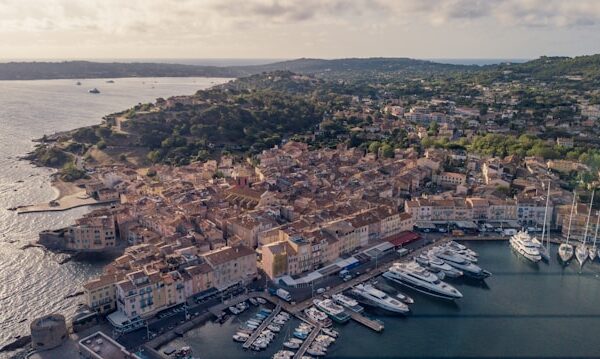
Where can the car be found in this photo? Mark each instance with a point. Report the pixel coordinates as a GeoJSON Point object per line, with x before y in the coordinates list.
{"type": "Point", "coordinates": [347, 278]}
{"type": "Point", "coordinates": [320, 290]}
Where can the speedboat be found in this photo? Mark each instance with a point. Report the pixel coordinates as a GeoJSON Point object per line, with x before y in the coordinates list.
{"type": "Point", "coordinates": [334, 311]}
{"type": "Point", "coordinates": [330, 332]}
{"type": "Point", "coordinates": [459, 262]}
{"type": "Point", "coordinates": [522, 244]}
{"type": "Point", "coordinates": [372, 296]}
{"type": "Point", "coordinates": [347, 302]}
{"type": "Point", "coordinates": [404, 298]}
{"type": "Point", "coordinates": [413, 276]}
{"type": "Point", "coordinates": [94, 90]}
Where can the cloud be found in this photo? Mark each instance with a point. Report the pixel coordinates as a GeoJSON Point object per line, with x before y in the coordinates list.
{"type": "Point", "coordinates": [180, 17]}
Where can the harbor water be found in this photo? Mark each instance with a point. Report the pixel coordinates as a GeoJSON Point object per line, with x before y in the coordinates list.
{"type": "Point", "coordinates": [524, 310]}
{"type": "Point", "coordinates": [33, 281]}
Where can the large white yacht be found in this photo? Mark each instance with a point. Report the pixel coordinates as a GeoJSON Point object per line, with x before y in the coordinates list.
{"type": "Point", "coordinates": [414, 276]}
{"type": "Point", "coordinates": [522, 244]}
{"type": "Point", "coordinates": [434, 264]}
{"type": "Point", "coordinates": [347, 302]}
{"type": "Point", "coordinates": [372, 296]}
{"type": "Point", "coordinates": [460, 262]}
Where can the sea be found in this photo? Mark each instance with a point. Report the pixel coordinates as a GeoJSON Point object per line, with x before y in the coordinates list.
{"type": "Point", "coordinates": [524, 310]}
{"type": "Point", "coordinates": [32, 282]}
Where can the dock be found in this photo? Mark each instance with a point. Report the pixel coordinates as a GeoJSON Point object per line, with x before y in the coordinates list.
{"type": "Point", "coordinates": [367, 322]}
{"type": "Point", "coordinates": [304, 347]}
{"type": "Point", "coordinates": [262, 327]}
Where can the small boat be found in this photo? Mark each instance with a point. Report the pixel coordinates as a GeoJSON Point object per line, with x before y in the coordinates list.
{"type": "Point", "coordinates": [240, 338]}
{"type": "Point", "coordinates": [94, 90]}
{"type": "Point", "coordinates": [296, 340]}
{"type": "Point", "coordinates": [330, 332]}
{"type": "Point", "coordinates": [234, 310]}
{"type": "Point", "coordinates": [78, 83]}
{"type": "Point", "coordinates": [261, 300]}
{"type": "Point", "coordinates": [593, 249]}
{"type": "Point", "coordinates": [405, 298]}
{"type": "Point", "coordinates": [300, 335]}
{"type": "Point", "coordinates": [318, 316]}
{"type": "Point", "coordinates": [274, 328]}
{"type": "Point", "coordinates": [110, 82]}
{"type": "Point", "coordinates": [291, 345]}
{"type": "Point", "coordinates": [315, 352]}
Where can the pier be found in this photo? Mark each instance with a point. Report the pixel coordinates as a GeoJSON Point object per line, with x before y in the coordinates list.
{"type": "Point", "coordinates": [367, 322]}
{"type": "Point", "coordinates": [261, 327]}
{"type": "Point", "coordinates": [304, 347]}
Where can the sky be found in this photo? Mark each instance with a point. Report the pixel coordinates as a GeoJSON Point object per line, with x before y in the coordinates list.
{"type": "Point", "coordinates": [88, 29]}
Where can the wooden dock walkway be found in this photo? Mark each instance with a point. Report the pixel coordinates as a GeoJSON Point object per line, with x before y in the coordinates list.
{"type": "Point", "coordinates": [304, 347]}
{"type": "Point", "coordinates": [262, 327]}
{"type": "Point", "coordinates": [367, 322]}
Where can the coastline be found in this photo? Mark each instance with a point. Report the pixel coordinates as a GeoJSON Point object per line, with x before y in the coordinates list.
{"type": "Point", "coordinates": [68, 195]}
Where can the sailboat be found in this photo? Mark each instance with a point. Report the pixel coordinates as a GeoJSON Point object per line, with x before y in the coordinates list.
{"type": "Point", "coordinates": [581, 252]}
{"type": "Point", "coordinates": [565, 250]}
{"type": "Point", "coordinates": [544, 251]}
{"type": "Point", "coordinates": [594, 249]}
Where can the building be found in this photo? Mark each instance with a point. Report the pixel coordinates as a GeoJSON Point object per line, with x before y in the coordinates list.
{"type": "Point", "coordinates": [101, 293]}
{"type": "Point", "coordinates": [48, 332]}
{"type": "Point", "coordinates": [101, 346]}
{"type": "Point", "coordinates": [232, 265]}
{"type": "Point", "coordinates": [94, 233]}
{"type": "Point", "coordinates": [450, 179]}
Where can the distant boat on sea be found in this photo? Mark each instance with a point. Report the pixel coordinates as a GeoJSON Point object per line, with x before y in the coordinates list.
{"type": "Point", "coordinates": [110, 82]}
{"type": "Point", "coordinates": [94, 90]}
{"type": "Point", "coordinates": [78, 83]}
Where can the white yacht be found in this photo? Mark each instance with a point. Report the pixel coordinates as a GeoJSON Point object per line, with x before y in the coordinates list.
{"type": "Point", "coordinates": [414, 276]}
{"type": "Point", "coordinates": [347, 302]}
{"type": "Point", "coordinates": [318, 316]}
{"type": "Point", "coordinates": [335, 311]}
{"type": "Point", "coordinates": [522, 244]}
{"type": "Point", "coordinates": [462, 249]}
{"type": "Point", "coordinates": [368, 294]}
{"type": "Point", "coordinates": [461, 263]}
{"type": "Point", "coordinates": [435, 264]}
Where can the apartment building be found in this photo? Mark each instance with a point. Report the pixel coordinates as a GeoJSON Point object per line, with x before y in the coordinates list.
{"type": "Point", "coordinates": [232, 265]}
{"type": "Point", "coordinates": [94, 233]}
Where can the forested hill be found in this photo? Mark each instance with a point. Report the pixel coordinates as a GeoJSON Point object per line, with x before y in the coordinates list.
{"type": "Point", "coordinates": [581, 68]}
{"type": "Point", "coordinates": [326, 68]}
{"type": "Point", "coordinates": [87, 69]}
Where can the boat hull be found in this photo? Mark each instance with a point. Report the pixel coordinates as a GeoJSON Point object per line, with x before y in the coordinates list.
{"type": "Point", "coordinates": [421, 289]}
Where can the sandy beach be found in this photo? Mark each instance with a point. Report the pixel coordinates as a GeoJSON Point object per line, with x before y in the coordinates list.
{"type": "Point", "coordinates": [68, 196]}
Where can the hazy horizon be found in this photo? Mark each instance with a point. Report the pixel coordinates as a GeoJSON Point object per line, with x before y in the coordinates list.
{"type": "Point", "coordinates": [277, 29]}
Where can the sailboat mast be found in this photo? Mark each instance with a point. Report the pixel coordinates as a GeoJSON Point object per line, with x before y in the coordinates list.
{"type": "Point", "coordinates": [571, 217]}
{"type": "Point", "coordinates": [587, 222]}
{"type": "Point", "coordinates": [597, 223]}
{"type": "Point", "coordinates": [546, 216]}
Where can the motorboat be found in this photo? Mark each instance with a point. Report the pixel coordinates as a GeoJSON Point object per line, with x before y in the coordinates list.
{"type": "Point", "coordinates": [94, 90]}
{"type": "Point", "coordinates": [372, 296]}
{"type": "Point", "coordinates": [318, 316]}
{"type": "Point", "coordinates": [347, 302]}
{"type": "Point", "coordinates": [413, 276]}
{"type": "Point", "coordinates": [522, 244]}
{"type": "Point", "coordinates": [404, 298]}
{"type": "Point", "coordinates": [335, 311]}
{"type": "Point", "coordinates": [459, 262]}
{"type": "Point", "coordinates": [436, 265]}
{"type": "Point", "coordinates": [291, 345]}
{"type": "Point", "coordinates": [461, 248]}
{"type": "Point", "coordinates": [330, 332]}
{"type": "Point", "coordinates": [240, 337]}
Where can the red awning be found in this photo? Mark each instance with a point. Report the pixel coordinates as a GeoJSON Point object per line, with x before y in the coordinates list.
{"type": "Point", "coordinates": [403, 238]}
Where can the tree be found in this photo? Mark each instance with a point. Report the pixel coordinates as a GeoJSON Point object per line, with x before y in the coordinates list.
{"type": "Point", "coordinates": [387, 151]}
{"type": "Point", "coordinates": [374, 146]}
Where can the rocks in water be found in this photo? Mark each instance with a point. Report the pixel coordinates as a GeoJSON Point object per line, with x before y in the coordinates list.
{"type": "Point", "coordinates": [16, 344]}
